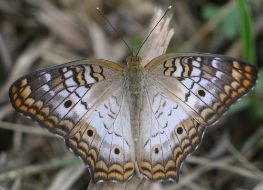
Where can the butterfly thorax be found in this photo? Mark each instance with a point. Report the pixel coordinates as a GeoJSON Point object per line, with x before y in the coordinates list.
{"type": "Point", "coordinates": [135, 84]}
{"type": "Point", "coordinates": [134, 74]}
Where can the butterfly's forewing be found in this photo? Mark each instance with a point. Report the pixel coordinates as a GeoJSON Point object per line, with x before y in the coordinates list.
{"type": "Point", "coordinates": [204, 84]}
{"type": "Point", "coordinates": [85, 103]}
{"type": "Point", "coordinates": [186, 93]}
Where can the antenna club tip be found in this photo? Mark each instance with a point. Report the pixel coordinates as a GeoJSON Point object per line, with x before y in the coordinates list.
{"type": "Point", "coordinates": [169, 7]}
{"type": "Point", "coordinates": [98, 9]}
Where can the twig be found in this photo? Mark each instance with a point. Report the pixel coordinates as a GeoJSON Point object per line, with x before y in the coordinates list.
{"type": "Point", "coordinates": [5, 110]}
{"type": "Point", "coordinates": [225, 164]}
{"type": "Point", "coordinates": [159, 40]}
{"type": "Point", "coordinates": [62, 23]}
{"type": "Point", "coordinates": [23, 63]}
{"type": "Point", "coordinates": [248, 147]}
{"type": "Point", "coordinates": [34, 169]}
{"type": "Point", "coordinates": [7, 62]}
{"type": "Point", "coordinates": [65, 179]}
{"type": "Point", "coordinates": [242, 159]}
{"type": "Point", "coordinates": [24, 129]}
{"type": "Point", "coordinates": [206, 165]}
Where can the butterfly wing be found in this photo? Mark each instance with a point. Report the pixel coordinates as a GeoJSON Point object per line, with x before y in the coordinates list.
{"type": "Point", "coordinates": [184, 94]}
{"type": "Point", "coordinates": [204, 84]}
{"type": "Point", "coordinates": [85, 103]}
{"type": "Point", "coordinates": [167, 135]}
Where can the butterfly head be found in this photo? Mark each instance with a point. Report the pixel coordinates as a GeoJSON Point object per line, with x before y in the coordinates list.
{"type": "Point", "coordinates": [133, 59]}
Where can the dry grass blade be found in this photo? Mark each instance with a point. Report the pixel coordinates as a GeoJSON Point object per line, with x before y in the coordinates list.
{"type": "Point", "coordinates": [25, 129]}
{"type": "Point", "coordinates": [104, 49]}
{"type": "Point", "coordinates": [259, 186]}
{"type": "Point", "coordinates": [159, 40]}
{"type": "Point", "coordinates": [35, 169]}
{"type": "Point", "coordinates": [7, 62]}
{"type": "Point", "coordinates": [242, 159]}
{"type": "Point", "coordinates": [252, 141]}
{"type": "Point", "coordinates": [5, 110]}
{"type": "Point", "coordinates": [63, 24]}
{"type": "Point", "coordinates": [23, 64]}
{"type": "Point", "coordinates": [225, 164]}
{"type": "Point", "coordinates": [206, 165]}
{"type": "Point", "coordinates": [65, 179]}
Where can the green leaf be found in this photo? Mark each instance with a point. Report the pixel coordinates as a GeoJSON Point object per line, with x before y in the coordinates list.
{"type": "Point", "coordinates": [135, 43]}
{"type": "Point", "coordinates": [248, 51]}
{"type": "Point", "coordinates": [228, 25]}
{"type": "Point", "coordinates": [240, 105]}
{"type": "Point", "coordinates": [246, 31]}
{"type": "Point", "coordinates": [209, 11]}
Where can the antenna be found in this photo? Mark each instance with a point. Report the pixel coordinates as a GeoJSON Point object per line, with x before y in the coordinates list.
{"type": "Point", "coordinates": [105, 18]}
{"type": "Point", "coordinates": [167, 10]}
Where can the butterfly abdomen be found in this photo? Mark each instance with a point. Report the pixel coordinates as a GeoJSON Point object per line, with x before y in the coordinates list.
{"type": "Point", "coordinates": [135, 85]}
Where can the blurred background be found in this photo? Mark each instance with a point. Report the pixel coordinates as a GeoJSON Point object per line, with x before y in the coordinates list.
{"type": "Point", "coordinates": [35, 34]}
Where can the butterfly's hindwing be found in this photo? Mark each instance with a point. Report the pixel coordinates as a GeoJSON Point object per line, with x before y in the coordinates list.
{"type": "Point", "coordinates": [85, 103]}
{"type": "Point", "coordinates": [167, 135]}
{"type": "Point", "coordinates": [103, 139]}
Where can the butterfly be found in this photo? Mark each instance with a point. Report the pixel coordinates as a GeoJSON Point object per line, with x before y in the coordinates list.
{"type": "Point", "coordinates": [124, 118]}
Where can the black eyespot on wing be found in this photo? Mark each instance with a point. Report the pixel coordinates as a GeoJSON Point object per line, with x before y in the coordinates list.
{"type": "Point", "coordinates": [68, 103]}
{"type": "Point", "coordinates": [179, 130]}
{"type": "Point", "coordinates": [201, 93]}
